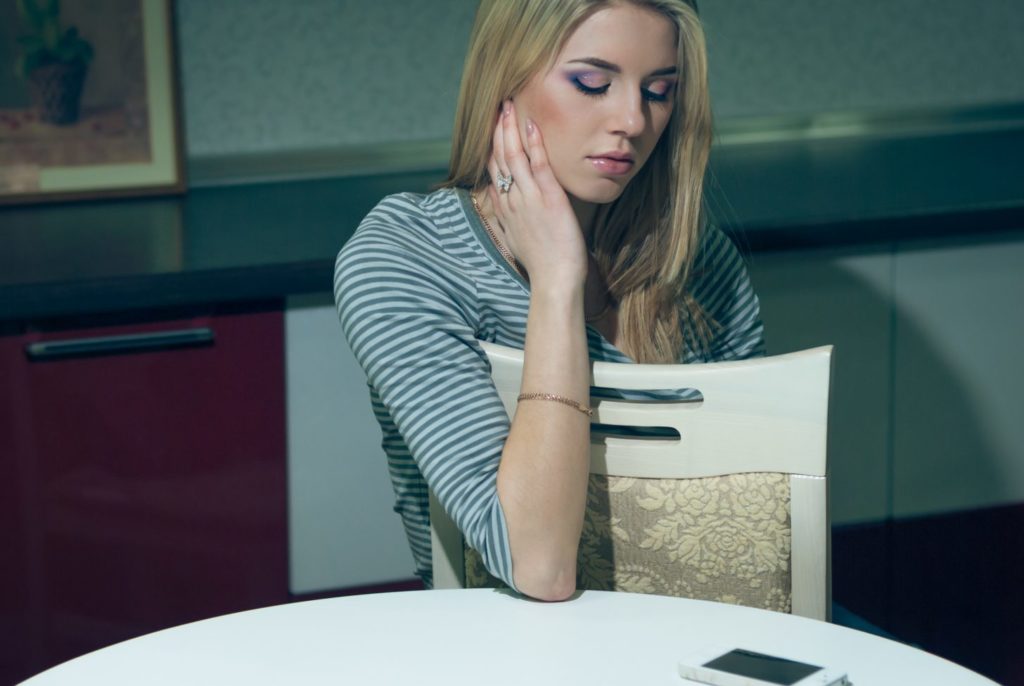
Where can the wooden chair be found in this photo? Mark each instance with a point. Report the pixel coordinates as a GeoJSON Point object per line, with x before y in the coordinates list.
{"type": "Point", "coordinates": [732, 509]}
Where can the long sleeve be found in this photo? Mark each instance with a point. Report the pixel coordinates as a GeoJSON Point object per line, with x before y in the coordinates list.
{"type": "Point", "coordinates": [409, 318]}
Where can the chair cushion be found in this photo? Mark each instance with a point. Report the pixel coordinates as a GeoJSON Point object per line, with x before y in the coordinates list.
{"type": "Point", "coordinates": [723, 538]}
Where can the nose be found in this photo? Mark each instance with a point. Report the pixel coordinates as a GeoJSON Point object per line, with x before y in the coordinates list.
{"type": "Point", "coordinates": [628, 116]}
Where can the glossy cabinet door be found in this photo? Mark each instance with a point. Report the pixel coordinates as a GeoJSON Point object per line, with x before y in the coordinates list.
{"type": "Point", "coordinates": [149, 476]}
{"type": "Point", "coordinates": [17, 569]}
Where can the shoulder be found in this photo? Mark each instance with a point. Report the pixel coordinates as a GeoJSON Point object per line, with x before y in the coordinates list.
{"type": "Point", "coordinates": [435, 206]}
{"type": "Point", "coordinates": [406, 226]}
{"type": "Point", "coordinates": [716, 249]}
{"type": "Point", "coordinates": [403, 253]}
{"type": "Point", "coordinates": [409, 219]}
{"type": "Point", "coordinates": [721, 284]}
{"type": "Point", "coordinates": [717, 265]}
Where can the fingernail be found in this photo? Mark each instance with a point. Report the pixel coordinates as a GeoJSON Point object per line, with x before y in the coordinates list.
{"type": "Point", "coordinates": [530, 128]}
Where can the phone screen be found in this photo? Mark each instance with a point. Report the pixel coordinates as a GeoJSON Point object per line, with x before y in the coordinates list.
{"type": "Point", "coordinates": [775, 670]}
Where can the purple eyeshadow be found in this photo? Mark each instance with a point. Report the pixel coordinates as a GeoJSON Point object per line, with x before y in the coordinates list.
{"type": "Point", "coordinates": [590, 79]}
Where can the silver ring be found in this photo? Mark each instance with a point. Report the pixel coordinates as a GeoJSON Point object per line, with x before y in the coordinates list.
{"type": "Point", "coordinates": [504, 182]}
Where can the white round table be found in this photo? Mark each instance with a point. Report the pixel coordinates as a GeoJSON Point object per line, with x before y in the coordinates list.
{"type": "Point", "coordinates": [487, 637]}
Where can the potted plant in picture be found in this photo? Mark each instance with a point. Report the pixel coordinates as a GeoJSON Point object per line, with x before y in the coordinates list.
{"type": "Point", "coordinates": [54, 61]}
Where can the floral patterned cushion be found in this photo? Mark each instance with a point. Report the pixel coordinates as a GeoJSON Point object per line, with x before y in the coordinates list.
{"type": "Point", "coordinates": [723, 538]}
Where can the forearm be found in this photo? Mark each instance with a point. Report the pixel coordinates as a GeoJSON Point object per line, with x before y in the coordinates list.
{"type": "Point", "coordinates": [542, 478]}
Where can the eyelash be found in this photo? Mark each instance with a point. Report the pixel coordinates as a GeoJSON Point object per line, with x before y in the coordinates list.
{"type": "Point", "coordinates": [601, 90]}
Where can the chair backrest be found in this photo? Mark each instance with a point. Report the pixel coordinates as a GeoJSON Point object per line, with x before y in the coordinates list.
{"type": "Point", "coordinates": [762, 416]}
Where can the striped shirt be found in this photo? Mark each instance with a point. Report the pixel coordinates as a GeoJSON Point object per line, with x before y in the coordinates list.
{"type": "Point", "coordinates": [417, 286]}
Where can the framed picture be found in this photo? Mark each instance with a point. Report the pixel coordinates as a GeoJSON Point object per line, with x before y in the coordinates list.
{"type": "Point", "coordinates": [88, 100]}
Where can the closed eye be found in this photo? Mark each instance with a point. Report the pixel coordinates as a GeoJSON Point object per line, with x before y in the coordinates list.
{"type": "Point", "coordinates": [581, 86]}
{"type": "Point", "coordinates": [659, 91]}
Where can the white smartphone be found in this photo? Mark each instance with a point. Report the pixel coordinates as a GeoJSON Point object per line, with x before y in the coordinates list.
{"type": "Point", "coordinates": [739, 667]}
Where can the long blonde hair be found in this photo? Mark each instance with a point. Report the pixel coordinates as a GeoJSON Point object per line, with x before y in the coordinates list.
{"type": "Point", "coordinates": [645, 241]}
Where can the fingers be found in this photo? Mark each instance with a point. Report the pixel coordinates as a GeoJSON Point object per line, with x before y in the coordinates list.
{"type": "Point", "coordinates": [514, 152]}
{"type": "Point", "coordinates": [539, 166]}
{"type": "Point", "coordinates": [496, 206]}
{"type": "Point", "coordinates": [496, 152]}
{"type": "Point", "coordinates": [498, 149]}
{"type": "Point", "coordinates": [493, 171]}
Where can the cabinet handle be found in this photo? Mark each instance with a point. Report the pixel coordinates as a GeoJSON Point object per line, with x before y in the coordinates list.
{"type": "Point", "coordinates": [127, 343]}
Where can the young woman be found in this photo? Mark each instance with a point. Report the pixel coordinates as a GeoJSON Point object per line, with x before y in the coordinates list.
{"type": "Point", "coordinates": [571, 226]}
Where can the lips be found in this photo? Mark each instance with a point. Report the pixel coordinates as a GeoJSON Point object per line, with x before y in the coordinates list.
{"type": "Point", "coordinates": [613, 163]}
{"type": "Point", "coordinates": [618, 156]}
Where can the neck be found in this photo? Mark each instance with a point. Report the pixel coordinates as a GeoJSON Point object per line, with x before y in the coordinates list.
{"type": "Point", "coordinates": [585, 213]}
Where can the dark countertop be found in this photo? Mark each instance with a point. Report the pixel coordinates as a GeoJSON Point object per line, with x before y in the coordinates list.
{"type": "Point", "coordinates": [272, 240]}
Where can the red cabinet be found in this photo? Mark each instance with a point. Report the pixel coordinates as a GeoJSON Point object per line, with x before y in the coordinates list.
{"type": "Point", "coordinates": [142, 468]}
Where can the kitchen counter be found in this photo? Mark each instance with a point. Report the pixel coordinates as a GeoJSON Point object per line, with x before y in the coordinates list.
{"type": "Point", "coordinates": [276, 239]}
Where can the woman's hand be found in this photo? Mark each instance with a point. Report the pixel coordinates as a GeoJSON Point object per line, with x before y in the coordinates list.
{"type": "Point", "coordinates": [542, 476]}
{"type": "Point", "coordinates": [535, 216]}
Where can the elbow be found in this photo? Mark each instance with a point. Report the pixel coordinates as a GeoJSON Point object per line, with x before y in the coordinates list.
{"type": "Point", "coordinates": [553, 593]}
{"type": "Point", "coordinates": [546, 583]}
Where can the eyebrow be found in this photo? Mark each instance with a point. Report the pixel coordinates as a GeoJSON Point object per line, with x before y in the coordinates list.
{"type": "Point", "coordinates": [609, 66]}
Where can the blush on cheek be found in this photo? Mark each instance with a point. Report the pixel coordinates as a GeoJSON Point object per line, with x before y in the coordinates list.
{"type": "Point", "coordinates": [557, 125]}
{"type": "Point", "coordinates": [561, 115]}
{"type": "Point", "coordinates": [554, 114]}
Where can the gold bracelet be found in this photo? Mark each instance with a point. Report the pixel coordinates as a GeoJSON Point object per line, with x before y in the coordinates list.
{"type": "Point", "coordinates": [558, 399]}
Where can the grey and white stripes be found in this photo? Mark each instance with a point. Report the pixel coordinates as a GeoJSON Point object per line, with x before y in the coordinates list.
{"type": "Point", "coordinates": [417, 286]}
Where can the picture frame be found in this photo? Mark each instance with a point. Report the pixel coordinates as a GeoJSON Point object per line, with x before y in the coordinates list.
{"type": "Point", "coordinates": [123, 135]}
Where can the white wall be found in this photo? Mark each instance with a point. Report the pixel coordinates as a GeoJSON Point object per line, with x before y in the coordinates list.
{"type": "Point", "coordinates": [811, 298]}
{"type": "Point", "coordinates": [927, 408]}
{"type": "Point", "coordinates": [958, 410]}
{"type": "Point", "coordinates": [342, 529]}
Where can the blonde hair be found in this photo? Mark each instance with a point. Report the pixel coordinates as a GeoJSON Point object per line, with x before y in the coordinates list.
{"type": "Point", "coordinates": [645, 241]}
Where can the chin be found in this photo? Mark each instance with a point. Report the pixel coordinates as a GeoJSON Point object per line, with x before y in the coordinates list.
{"type": "Point", "coordinates": [600, 192]}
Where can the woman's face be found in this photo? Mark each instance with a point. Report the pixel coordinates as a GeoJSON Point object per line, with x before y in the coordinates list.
{"type": "Point", "coordinates": [606, 101]}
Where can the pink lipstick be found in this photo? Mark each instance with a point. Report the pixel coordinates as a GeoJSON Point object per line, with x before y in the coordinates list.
{"type": "Point", "coordinates": [613, 163]}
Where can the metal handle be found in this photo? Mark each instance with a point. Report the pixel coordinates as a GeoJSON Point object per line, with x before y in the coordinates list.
{"type": "Point", "coordinates": [127, 343]}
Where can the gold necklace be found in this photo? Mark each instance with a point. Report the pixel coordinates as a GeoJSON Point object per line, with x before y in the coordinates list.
{"type": "Point", "coordinates": [507, 254]}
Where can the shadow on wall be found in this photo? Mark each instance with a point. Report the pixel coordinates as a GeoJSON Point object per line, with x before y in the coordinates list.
{"type": "Point", "coordinates": [907, 436]}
